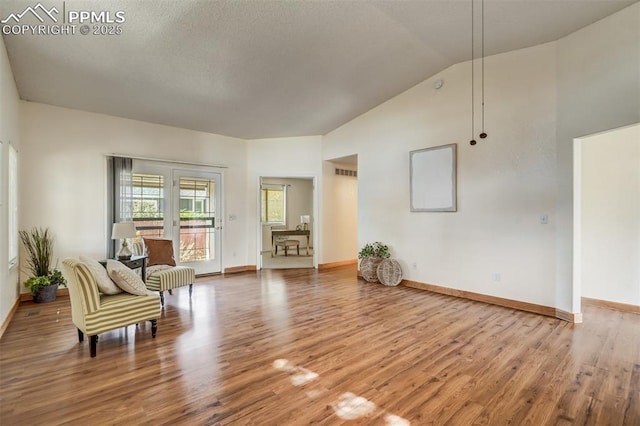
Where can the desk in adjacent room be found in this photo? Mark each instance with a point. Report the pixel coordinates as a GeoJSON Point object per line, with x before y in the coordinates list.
{"type": "Point", "coordinates": [290, 232]}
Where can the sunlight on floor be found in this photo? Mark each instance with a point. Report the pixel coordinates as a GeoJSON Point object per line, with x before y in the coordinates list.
{"type": "Point", "coordinates": [349, 406]}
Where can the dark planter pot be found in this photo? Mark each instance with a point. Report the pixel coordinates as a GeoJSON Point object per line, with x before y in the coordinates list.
{"type": "Point", "coordinates": [46, 294]}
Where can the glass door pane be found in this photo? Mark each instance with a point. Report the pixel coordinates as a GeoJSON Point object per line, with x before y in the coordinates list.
{"type": "Point", "coordinates": [197, 201]}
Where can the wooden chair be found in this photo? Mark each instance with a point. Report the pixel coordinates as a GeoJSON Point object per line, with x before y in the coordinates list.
{"type": "Point", "coordinates": [282, 241]}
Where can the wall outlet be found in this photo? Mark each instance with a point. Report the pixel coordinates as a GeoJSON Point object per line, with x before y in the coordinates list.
{"type": "Point", "coordinates": [414, 265]}
{"type": "Point", "coordinates": [544, 219]}
{"type": "Point", "coordinates": [497, 276]}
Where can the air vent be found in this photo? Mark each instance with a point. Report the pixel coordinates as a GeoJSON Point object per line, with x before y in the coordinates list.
{"type": "Point", "coordinates": [345, 172]}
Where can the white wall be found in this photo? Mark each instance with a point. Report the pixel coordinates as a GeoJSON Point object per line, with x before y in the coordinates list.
{"type": "Point", "coordinates": [9, 134]}
{"type": "Point", "coordinates": [340, 214]}
{"type": "Point", "coordinates": [537, 100]}
{"type": "Point", "coordinates": [63, 173]}
{"type": "Point", "coordinates": [598, 89]}
{"type": "Point", "coordinates": [610, 219]}
{"type": "Point", "coordinates": [504, 183]}
{"type": "Point", "coordinates": [281, 157]}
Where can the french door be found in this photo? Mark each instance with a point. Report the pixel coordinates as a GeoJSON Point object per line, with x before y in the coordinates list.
{"type": "Point", "coordinates": [197, 217]}
{"type": "Point", "coordinates": [182, 205]}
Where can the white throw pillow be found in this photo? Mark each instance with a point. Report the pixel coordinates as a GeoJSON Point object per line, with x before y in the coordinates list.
{"type": "Point", "coordinates": [126, 278]}
{"type": "Point", "coordinates": [105, 285]}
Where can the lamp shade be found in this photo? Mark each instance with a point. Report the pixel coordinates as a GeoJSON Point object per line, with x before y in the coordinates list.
{"type": "Point", "coordinates": [122, 230]}
{"type": "Point", "coordinates": [305, 219]}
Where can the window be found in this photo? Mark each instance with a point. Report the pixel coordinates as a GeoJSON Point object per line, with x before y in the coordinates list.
{"type": "Point", "coordinates": [148, 204]}
{"type": "Point", "coordinates": [194, 197]}
{"type": "Point", "coordinates": [186, 204]}
{"type": "Point", "coordinates": [273, 204]}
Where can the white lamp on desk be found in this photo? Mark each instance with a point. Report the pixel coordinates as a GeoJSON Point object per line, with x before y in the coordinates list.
{"type": "Point", "coordinates": [305, 220]}
{"type": "Point", "coordinates": [122, 231]}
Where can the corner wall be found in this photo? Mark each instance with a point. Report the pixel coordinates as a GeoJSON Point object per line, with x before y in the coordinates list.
{"type": "Point", "coordinates": [537, 101]}
{"type": "Point", "coordinates": [494, 244]}
{"type": "Point", "coordinates": [294, 157]}
{"type": "Point", "coordinates": [9, 134]}
{"type": "Point", "coordinates": [598, 70]}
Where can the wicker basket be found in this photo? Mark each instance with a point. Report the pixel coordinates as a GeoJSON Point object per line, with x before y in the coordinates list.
{"type": "Point", "coordinates": [369, 268]}
{"type": "Point", "coordinates": [389, 272]}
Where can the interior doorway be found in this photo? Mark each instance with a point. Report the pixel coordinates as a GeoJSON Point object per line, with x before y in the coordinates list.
{"type": "Point", "coordinates": [340, 211]}
{"type": "Point", "coordinates": [606, 210]}
{"type": "Point", "coordinates": [287, 204]}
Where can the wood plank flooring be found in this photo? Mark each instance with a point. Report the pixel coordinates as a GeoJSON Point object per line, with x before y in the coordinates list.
{"type": "Point", "coordinates": [298, 347]}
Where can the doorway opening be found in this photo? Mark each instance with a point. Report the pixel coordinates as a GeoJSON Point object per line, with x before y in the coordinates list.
{"type": "Point", "coordinates": [606, 232]}
{"type": "Point", "coordinates": [340, 211]}
{"type": "Point", "coordinates": [287, 225]}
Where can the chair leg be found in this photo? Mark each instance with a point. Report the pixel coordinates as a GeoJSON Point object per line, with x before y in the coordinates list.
{"type": "Point", "coordinates": [190, 290]}
{"type": "Point", "coordinates": [286, 249]}
{"type": "Point", "coordinates": [298, 249]}
{"type": "Point", "coordinates": [80, 336]}
{"type": "Point", "coordinates": [162, 298]}
{"type": "Point", "coordinates": [170, 292]}
{"type": "Point", "coordinates": [154, 328]}
{"type": "Point", "coordinates": [93, 344]}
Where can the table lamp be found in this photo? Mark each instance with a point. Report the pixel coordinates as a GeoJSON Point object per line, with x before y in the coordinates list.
{"type": "Point", "coordinates": [122, 231]}
{"type": "Point", "coordinates": [305, 220]}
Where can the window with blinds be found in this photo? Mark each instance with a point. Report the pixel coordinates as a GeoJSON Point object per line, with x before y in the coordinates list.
{"type": "Point", "coordinates": [148, 204]}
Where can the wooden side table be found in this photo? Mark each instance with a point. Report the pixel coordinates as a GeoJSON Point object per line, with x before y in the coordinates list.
{"type": "Point", "coordinates": [134, 263]}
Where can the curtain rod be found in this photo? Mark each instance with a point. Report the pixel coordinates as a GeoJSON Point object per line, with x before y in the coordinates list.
{"type": "Point", "coordinates": [188, 163]}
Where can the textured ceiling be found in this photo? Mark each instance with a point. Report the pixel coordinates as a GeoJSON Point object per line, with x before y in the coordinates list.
{"type": "Point", "coordinates": [257, 69]}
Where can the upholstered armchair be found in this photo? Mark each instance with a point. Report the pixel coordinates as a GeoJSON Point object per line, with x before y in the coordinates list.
{"type": "Point", "coordinates": [94, 312]}
{"type": "Point", "coordinates": [162, 272]}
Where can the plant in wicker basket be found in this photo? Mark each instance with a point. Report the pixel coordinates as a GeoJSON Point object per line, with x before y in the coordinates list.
{"type": "Point", "coordinates": [370, 257]}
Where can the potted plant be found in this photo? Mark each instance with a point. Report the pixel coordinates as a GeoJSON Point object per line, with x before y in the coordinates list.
{"type": "Point", "coordinates": [370, 257]}
{"type": "Point", "coordinates": [44, 281]}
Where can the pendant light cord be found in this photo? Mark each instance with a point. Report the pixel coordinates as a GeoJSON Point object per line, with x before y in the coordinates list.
{"type": "Point", "coordinates": [482, 6]}
{"type": "Point", "coordinates": [472, 78]}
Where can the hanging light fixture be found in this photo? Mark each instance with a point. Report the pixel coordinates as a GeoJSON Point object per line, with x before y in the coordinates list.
{"type": "Point", "coordinates": [483, 134]}
{"type": "Point", "coordinates": [473, 129]}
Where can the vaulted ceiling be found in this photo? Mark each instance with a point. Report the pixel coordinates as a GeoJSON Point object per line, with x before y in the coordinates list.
{"type": "Point", "coordinates": [256, 69]}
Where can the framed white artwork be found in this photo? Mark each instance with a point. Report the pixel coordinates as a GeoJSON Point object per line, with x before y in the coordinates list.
{"type": "Point", "coordinates": [433, 179]}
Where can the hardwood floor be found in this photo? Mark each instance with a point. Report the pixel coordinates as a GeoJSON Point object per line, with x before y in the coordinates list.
{"type": "Point", "coordinates": [297, 347]}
